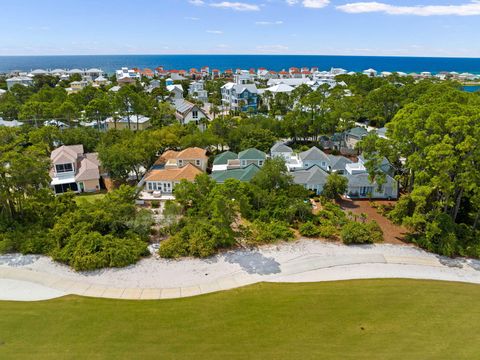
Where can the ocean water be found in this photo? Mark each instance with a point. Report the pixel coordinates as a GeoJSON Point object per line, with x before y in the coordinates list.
{"type": "Point", "coordinates": [109, 63]}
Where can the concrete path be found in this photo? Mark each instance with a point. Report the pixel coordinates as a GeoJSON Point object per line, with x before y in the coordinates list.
{"type": "Point", "coordinates": [38, 278]}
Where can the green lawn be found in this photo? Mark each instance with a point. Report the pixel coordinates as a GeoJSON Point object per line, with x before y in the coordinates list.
{"type": "Point", "coordinates": [85, 197]}
{"type": "Point", "coordinates": [367, 319]}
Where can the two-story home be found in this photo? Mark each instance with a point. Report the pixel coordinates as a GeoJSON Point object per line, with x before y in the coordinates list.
{"type": "Point", "coordinates": [315, 156]}
{"type": "Point", "coordinates": [187, 112]}
{"type": "Point", "coordinates": [172, 167]}
{"type": "Point", "coordinates": [242, 166]}
{"type": "Point", "coordinates": [176, 91]}
{"type": "Point", "coordinates": [292, 160]}
{"type": "Point", "coordinates": [74, 170]}
{"type": "Point", "coordinates": [197, 91]}
{"type": "Point", "coordinates": [240, 95]}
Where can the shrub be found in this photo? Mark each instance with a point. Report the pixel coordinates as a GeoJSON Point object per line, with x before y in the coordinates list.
{"type": "Point", "coordinates": [375, 231]}
{"type": "Point", "coordinates": [92, 250]}
{"type": "Point", "coordinates": [309, 229]}
{"type": "Point", "coordinates": [327, 231]}
{"type": "Point", "coordinates": [174, 247]}
{"type": "Point", "coordinates": [266, 233]}
{"type": "Point", "coordinates": [361, 233]}
{"type": "Point", "coordinates": [155, 204]}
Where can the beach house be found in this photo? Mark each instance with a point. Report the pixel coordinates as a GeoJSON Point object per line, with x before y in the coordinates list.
{"type": "Point", "coordinates": [74, 170]}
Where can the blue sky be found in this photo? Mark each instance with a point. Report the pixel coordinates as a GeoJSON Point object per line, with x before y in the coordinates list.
{"type": "Point", "coordinates": [336, 27]}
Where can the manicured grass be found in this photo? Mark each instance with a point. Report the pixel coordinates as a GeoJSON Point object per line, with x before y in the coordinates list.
{"type": "Point", "coordinates": [367, 319]}
{"type": "Point", "coordinates": [83, 198]}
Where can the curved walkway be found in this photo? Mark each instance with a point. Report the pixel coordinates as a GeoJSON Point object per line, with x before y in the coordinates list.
{"type": "Point", "coordinates": [38, 278]}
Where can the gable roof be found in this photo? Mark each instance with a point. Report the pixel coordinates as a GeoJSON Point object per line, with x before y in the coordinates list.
{"type": "Point", "coordinates": [357, 132]}
{"type": "Point", "coordinates": [192, 153]}
{"type": "Point", "coordinates": [222, 159]}
{"type": "Point", "coordinates": [66, 153]}
{"type": "Point", "coordinates": [281, 147]}
{"type": "Point", "coordinates": [313, 154]}
{"type": "Point", "coordinates": [252, 154]}
{"type": "Point", "coordinates": [88, 168]}
{"type": "Point", "coordinates": [242, 174]}
{"type": "Point", "coordinates": [188, 172]}
{"type": "Point", "coordinates": [313, 175]}
{"type": "Point", "coordinates": [338, 162]}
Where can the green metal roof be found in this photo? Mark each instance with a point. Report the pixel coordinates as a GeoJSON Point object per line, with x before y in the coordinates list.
{"type": "Point", "coordinates": [242, 174]}
{"type": "Point", "coordinates": [222, 159]}
{"type": "Point", "coordinates": [252, 154]}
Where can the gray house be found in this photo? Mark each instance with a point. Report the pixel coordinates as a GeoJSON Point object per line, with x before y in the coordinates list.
{"type": "Point", "coordinates": [313, 178]}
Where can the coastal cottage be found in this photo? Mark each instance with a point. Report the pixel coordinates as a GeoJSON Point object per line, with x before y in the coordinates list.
{"type": "Point", "coordinates": [172, 167]}
{"type": "Point", "coordinates": [74, 170]}
{"type": "Point", "coordinates": [314, 178]}
{"type": "Point", "coordinates": [187, 112]}
{"type": "Point", "coordinates": [242, 166]}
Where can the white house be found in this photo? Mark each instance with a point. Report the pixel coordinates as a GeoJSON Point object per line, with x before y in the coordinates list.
{"type": "Point", "coordinates": [197, 91]}
{"type": "Point", "coordinates": [187, 112]}
{"type": "Point", "coordinates": [176, 90]}
{"type": "Point", "coordinates": [19, 80]}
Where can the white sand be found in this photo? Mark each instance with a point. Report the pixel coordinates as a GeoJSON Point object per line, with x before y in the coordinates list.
{"type": "Point", "coordinates": [305, 260]}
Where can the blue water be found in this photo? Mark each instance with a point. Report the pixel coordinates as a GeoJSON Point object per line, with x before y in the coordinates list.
{"type": "Point", "coordinates": [110, 63]}
{"type": "Point", "coordinates": [471, 88]}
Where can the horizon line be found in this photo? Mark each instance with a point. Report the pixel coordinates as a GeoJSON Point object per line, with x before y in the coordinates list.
{"type": "Point", "coordinates": [247, 54]}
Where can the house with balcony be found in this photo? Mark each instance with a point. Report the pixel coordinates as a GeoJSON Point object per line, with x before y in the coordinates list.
{"type": "Point", "coordinates": [240, 95]}
{"type": "Point", "coordinates": [74, 170]}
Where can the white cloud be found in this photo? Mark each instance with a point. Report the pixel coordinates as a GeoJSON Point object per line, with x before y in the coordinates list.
{"type": "Point", "coordinates": [217, 32]}
{"type": "Point", "coordinates": [266, 23]}
{"type": "Point", "coordinates": [313, 4]}
{"type": "Point", "coordinates": [197, 2]}
{"type": "Point", "coordinates": [191, 18]}
{"type": "Point", "coordinates": [237, 6]}
{"type": "Point", "coordinates": [469, 9]}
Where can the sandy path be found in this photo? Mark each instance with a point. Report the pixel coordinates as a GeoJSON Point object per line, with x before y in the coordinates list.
{"type": "Point", "coordinates": [304, 260]}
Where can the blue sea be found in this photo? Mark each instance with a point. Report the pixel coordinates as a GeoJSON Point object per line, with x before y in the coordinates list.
{"type": "Point", "coordinates": [109, 63]}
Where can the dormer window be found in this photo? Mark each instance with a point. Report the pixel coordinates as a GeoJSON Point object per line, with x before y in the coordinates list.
{"type": "Point", "coordinates": [63, 168]}
{"type": "Point", "coordinates": [197, 162]}
{"type": "Point", "coordinates": [180, 163]}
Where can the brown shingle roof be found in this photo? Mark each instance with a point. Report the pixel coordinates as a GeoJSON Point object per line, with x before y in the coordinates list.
{"type": "Point", "coordinates": [188, 172]}
{"type": "Point", "coordinates": [192, 153]}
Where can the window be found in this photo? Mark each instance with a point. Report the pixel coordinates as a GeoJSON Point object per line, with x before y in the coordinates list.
{"type": "Point", "coordinates": [244, 163]}
{"type": "Point", "coordinates": [62, 168]}
{"type": "Point", "coordinates": [180, 163]}
{"type": "Point", "coordinates": [260, 162]}
{"type": "Point", "coordinates": [197, 162]}
{"type": "Point", "coordinates": [195, 114]}
{"type": "Point", "coordinates": [324, 164]}
{"type": "Point", "coordinates": [149, 185]}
